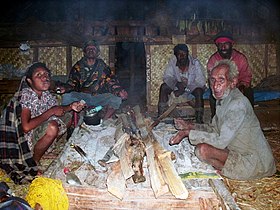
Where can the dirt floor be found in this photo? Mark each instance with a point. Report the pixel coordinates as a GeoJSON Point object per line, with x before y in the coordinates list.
{"type": "Point", "coordinates": [256, 194]}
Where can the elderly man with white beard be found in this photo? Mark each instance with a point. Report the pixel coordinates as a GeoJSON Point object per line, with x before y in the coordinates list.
{"type": "Point", "coordinates": [233, 143]}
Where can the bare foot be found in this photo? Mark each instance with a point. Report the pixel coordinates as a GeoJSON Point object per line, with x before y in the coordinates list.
{"type": "Point", "coordinates": [179, 137]}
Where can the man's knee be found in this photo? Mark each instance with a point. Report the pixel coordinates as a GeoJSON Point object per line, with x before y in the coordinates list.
{"type": "Point", "coordinates": [164, 92]}
{"type": "Point", "coordinates": [201, 151]}
{"type": "Point", "coordinates": [164, 88]}
{"type": "Point", "coordinates": [249, 93]}
{"type": "Point", "coordinates": [198, 92]}
{"type": "Point", "coordinates": [52, 129]}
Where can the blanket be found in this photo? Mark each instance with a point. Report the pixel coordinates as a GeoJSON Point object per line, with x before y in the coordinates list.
{"type": "Point", "coordinates": [15, 156]}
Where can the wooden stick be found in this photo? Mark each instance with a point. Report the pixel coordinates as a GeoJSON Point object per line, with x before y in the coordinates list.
{"type": "Point", "coordinates": [164, 115]}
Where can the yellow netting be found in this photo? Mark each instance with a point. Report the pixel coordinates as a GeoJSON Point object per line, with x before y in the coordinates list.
{"type": "Point", "coordinates": [49, 193]}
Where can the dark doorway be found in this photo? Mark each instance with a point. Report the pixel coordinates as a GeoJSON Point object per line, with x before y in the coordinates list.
{"type": "Point", "coordinates": [131, 71]}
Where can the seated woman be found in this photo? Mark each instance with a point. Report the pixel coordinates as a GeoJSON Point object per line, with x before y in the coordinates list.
{"type": "Point", "coordinates": [30, 124]}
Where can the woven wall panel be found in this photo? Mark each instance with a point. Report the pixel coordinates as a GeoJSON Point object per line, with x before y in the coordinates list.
{"type": "Point", "coordinates": [54, 58]}
{"type": "Point", "coordinates": [160, 55]}
{"type": "Point", "coordinates": [15, 57]}
{"type": "Point", "coordinates": [272, 63]}
{"type": "Point", "coordinates": [262, 59]}
{"type": "Point", "coordinates": [256, 56]}
{"type": "Point", "coordinates": [104, 53]}
{"type": "Point", "coordinates": [204, 51]}
{"type": "Point", "coordinates": [77, 54]}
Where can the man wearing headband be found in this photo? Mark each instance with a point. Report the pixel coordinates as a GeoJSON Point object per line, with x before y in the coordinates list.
{"type": "Point", "coordinates": [224, 43]}
{"type": "Point", "coordinates": [92, 80]}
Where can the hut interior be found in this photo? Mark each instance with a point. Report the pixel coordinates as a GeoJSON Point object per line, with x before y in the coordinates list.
{"type": "Point", "coordinates": [136, 39]}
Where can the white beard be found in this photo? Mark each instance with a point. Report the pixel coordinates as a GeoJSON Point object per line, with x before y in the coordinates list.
{"type": "Point", "coordinates": [226, 93]}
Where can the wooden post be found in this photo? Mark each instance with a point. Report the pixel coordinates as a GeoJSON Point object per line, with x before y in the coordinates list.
{"type": "Point", "coordinates": [36, 54]}
{"type": "Point", "coordinates": [132, 68]}
{"type": "Point", "coordinates": [148, 74]}
{"type": "Point", "coordinates": [278, 57]}
{"type": "Point", "coordinates": [112, 58]}
{"type": "Point", "coordinates": [68, 59]}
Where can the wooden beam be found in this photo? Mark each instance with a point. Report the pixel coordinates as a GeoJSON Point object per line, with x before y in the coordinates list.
{"type": "Point", "coordinates": [68, 59]}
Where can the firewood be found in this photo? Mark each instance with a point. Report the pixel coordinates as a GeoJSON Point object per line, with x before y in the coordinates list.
{"type": "Point", "coordinates": [121, 151]}
{"type": "Point", "coordinates": [175, 184]}
{"type": "Point", "coordinates": [158, 184]}
{"type": "Point", "coordinates": [116, 182]}
{"type": "Point", "coordinates": [223, 194]}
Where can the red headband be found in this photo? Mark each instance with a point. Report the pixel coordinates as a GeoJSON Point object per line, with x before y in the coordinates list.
{"type": "Point", "coordinates": [223, 40]}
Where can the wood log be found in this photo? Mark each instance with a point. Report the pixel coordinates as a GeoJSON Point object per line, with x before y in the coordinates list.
{"type": "Point", "coordinates": [159, 150]}
{"type": "Point", "coordinates": [158, 184]}
{"type": "Point", "coordinates": [223, 194]}
{"type": "Point", "coordinates": [116, 182]}
{"type": "Point", "coordinates": [121, 151]}
{"type": "Point", "coordinates": [170, 175]}
{"type": "Point", "coordinates": [175, 183]}
{"type": "Point", "coordinates": [119, 131]}
{"type": "Point", "coordinates": [125, 123]}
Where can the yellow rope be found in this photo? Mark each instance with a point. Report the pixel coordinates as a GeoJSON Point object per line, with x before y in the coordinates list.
{"type": "Point", "coordinates": [49, 193]}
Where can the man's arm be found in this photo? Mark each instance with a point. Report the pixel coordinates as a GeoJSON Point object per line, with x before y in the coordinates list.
{"type": "Point", "coordinates": [73, 82]}
{"type": "Point", "coordinates": [221, 136]}
{"type": "Point", "coordinates": [197, 77]}
{"type": "Point", "coordinates": [112, 84]}
{"type": "Point", "coordinates": [244, 69]}
{"type": "Point", "coordinates": [169, 76]}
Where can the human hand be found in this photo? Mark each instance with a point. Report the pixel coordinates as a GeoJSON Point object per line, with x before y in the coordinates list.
{"type": "Point", "coordinates": [123, 94]}
{"type": "Point", "coordinates": [184, 81]}
{"type": "Point", "coordinates": [181, 124]}
{"type": "Point", "coordinates": [179, 137]}
{"type": "Point", "coordinates": [181, 89]}
{"type": "Point", "coordinates": [58, 110]}
{"type": "Point", "coordinates": [77, 106]}
{"type": "Point", "coordinates": [177, 93]}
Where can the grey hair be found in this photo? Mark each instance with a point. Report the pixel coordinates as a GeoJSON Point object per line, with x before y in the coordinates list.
{"type": "Point", "coordinates": [233, 71]}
